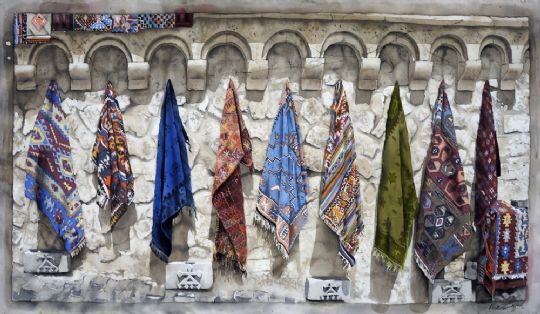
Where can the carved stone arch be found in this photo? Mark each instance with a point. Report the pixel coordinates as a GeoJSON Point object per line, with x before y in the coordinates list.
{"type": "Point", "coordinates": [400, 39]}
{"type": "Point", "coordinates": [105, 42]}
{"type": "Point", "coordinates": [348, 39]}
{"type": "Point", "coordinates": [227, 38]}
{"type": "Point", "coordinates": [501, 44]}
{"type": "Point", "coordinates": [288, 36]}
{"type": "Point", "coordinates": [55, 42]}
{"type": "Point", "coordinates": [168, 40]}
{"type": "Point", "coordinates": [453, 42]}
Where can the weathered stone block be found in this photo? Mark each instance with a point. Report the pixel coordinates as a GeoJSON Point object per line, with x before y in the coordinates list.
{"type": "Point", "coordinates": [312, 74]}
{"type": "Point", "coordinates": [189, 276]}
{"type": "Point", "coordinates": [46, 262]}
{"type": "Point", "coordinates": [25, 76]}
{"type": "Point", "coordinates": [138, 73]}
{"type": "Point", "coordinates": [327, 289]}
{"type": "Point", "coordinates": [80, 76]}
{"type": "Point", "coordinates": [450, 291]}
{"type": "Point", "coordinates": [516, 123]}
{"type": "Point", "coordinates": [509, 74]}
{"type": "Point", "coordinates": [420, 75]}
{"type": "Point", "coordinates": [196, 72]}
{"type": "Point", "coordinates": [257, 76]}
{"type": "Point", "coordinates": [467, 81]}
{"type": "Point", "coordinates": [369, 72]}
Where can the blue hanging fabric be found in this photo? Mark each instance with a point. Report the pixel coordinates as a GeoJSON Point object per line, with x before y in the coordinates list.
{"type": "Point", "coordinates": [173, 177]}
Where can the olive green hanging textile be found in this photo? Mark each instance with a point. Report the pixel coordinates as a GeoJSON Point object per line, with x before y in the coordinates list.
{"type": "Point", "coordinates": [396, 202]}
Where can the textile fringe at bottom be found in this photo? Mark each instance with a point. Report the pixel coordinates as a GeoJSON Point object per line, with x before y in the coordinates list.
{"type": "Point", "coordinates": [385, 259]}
{"type": "Point", "coordinates": [230, 264]}
{"type": "Point", "coordinates": [422, 267]}
{"type": "Point", "coordinates": [270, 228]}
{"type": "Point", "coordinates": [78, 248]}
{"type": "Point", "coordinates": [158, 253]}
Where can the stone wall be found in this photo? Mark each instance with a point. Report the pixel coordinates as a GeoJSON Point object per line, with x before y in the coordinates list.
{"type": "Point", "coordinates": [259, 53]}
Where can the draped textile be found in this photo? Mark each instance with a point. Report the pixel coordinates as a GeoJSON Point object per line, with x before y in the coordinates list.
{"type": "Point", "coordinates": [50, 177]}
{"type": "Point", "coordinates": [172, 190]}
{"type": "Point", "coordinates": [487, 164]}
{"type": "Point", "coordinates": [281, 205]}
{"type": "Point", "coordinates": [227, 198]}
{"type": "Point", "coordinates": [110, 155]}
{"type": "Point", "coordinates": [444, 222]}
{"type": "Point", "coordinates": [396, 203]}
{"type": "Point", "coordinates": [340, 186]}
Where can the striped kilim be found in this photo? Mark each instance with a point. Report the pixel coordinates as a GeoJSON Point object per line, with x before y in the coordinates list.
{"type": "Point", "coordinates": [110, 155]}
{"type": "Point", "coordinates": [227, 198]}
{"type": "Point", "coordinates": [50, 177]}
{"type": "Point", "coordinates": [396, 203]}
{"type": "Point", "coordinates": [340, 187]}
{"type": "Point", "coordinates": [444, 222]}
{"type": "Point", "coordinates": [487, 164]}
{"type": "Point", "coordinates": [281, 205]}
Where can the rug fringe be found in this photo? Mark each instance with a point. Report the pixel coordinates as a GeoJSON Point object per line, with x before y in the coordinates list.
{"type": "Point", "coordinates": [158, 253]}
{"type": "Point", "coordinates": [386, 260]}
{"type": "Point", "coordinates": [422, 267]}
{"type": "Point", "coordinates": [78, 248]}
{"type": "Point", "coordinates": [270, 228]}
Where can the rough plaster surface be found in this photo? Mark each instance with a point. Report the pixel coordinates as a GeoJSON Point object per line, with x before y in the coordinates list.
{"type": "Point", "coordinates": [112, 251]}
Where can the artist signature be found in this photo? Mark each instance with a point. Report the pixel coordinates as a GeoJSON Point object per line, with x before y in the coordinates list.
{"type": "Point", "coordinates": [509, 307]}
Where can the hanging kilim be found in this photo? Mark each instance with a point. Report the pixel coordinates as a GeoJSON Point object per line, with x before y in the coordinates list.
{"type": "Point", "coordinates": [172, 191]}
{"type": "Point", "coordinates": [38, 27]}
{"type": "Point", "coordinates": [396, 202]}
{"type": "Point", "coordinates": [19, 29]}
{"type": "Point", "coordinates": [281, 205]}
{"type": "Point", "coordinates": [227, 198]}
{"type": "Point", "coordinates": [110, 155]}
{"type": "Point", "coordinates": [157, 21]}
{"type": "Point", "coordinates": [505, 233]}
{"type": "Point", "coordinates": [340, 187]}
{"type": "Point", "coordinates": [487, 164]}
{"type": "Point", "coordinates": [50, 177]}
{"type": "Point", "coordinates": [444, 222]}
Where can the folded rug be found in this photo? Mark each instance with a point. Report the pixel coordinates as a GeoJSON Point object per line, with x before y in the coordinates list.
{"type": "Point", "coordinates": [340, 185]}
{"type": "Point", "coordinates": [444, 223]}
{"type": "Point", "coordinates": [487, 164]}
{"type": "Point", "coordinates": [50, 177]}
{"type": "Point", "coordinates": [227, 198]}
{"type": "Point", "coordinates": [110, 155]}
{"type": "Point", "coordinates": [172, 190]}
{"type": "Point", "coordinates": [396, 202]}
{"type": "Point", "coordinates": [281, 205]}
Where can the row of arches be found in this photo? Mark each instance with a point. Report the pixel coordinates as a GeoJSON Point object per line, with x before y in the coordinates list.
{"type": "Point", "coordinates": [292, 37]}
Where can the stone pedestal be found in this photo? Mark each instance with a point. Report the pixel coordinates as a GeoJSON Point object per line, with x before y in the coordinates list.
{"type": "Point", "coordinates": [40, 262]}
{"type": "Point", "coordinates": [189, 276]}
{"type": "Point", "coordinates": [327, 289]}
{"type": "Point", "coordinates": [450, 291]}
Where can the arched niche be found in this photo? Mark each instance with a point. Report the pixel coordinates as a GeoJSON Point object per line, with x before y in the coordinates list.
{"type": "Point", "coordinates": [52, 63]}
{"type": "Point", "coordinates": [447, 64]}
{"type": "Point", "coordinates": [227, 38]}
{"type": "Point", "coordinates": [346, 39]}
{"type": "Point", "coordinates": [108, 63]}
{"type": "Point", "coordinates": [284, 61]}
{"type": "Point", "coordinates": [500, 44]}
{"type": "Point", "coordinates": [55, 42]}
{"type": "Point", "coordinates": [290, 37]}
{"type": "Point", "coordinates": [341, 61]}
{"type": "Point", "coordinates": [396, 62]}
{"type": "Point", "coordinates": [224, 61]}
{"type": "Point", "coordinates": [493, 58]}
{"type": "Point", "coordinates": [400, 39]}
{"type": "Point", "coordinates": [168, 62]}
